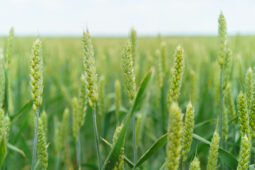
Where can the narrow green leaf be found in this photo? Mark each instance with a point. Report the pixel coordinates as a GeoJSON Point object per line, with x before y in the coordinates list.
{"type": "Point", "coordinates": [15, 149]}
{"type": "Point", "coordinates": [160, 142]}
{"type": "Point", "coordinates": [27, 105]}
{"type": "Point", "coordinates": [205, 123]}
{"type": "Point", "coordinates": [113, 156]}
{"type": "Point", "coordinates": [163, 166]}
{"type": "Point", "coordinates": [130, 163]}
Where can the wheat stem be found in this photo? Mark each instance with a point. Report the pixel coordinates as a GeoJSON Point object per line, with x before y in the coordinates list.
{"type": "Point", "coordinates": [35, 141]}
{"type": "Point", "coordinates": [78, 150]}
{"type": "Point", "coordinates": [134, 139]}
{"type": "Point", "coordinates": [96, 137]}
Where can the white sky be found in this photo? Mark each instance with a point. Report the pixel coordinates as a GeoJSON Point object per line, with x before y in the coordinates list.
{"type": "Point", "coordinates": [116, 17]}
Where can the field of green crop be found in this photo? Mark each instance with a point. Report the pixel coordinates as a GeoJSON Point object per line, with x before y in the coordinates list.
{"type": "Point", "coordinates": [127, 103]}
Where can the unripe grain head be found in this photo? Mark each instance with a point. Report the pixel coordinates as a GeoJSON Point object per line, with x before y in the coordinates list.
{"type": "Point", "coordinates": [176, 77]}
{"type": "Point", "coordinates": [90, 69]}
{"type": "Point", "coordinates": [173, 152]}
{"type": "Point", "coordinates": [36, 75]}
{"type": "Point", "coordinates": [129, 72]}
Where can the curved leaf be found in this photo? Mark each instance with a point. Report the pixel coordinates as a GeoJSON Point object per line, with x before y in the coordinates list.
{"type": "Point", "coordinates": [15, 149]}
{"type": "Point", "coordinates": [27, 105]}
{"type": "Point", "coordinates": [160, 142]}
{"type": "Point", "coordinates": [113, 156]}
{"type": "Point", "coordinates": [130, 163]}
{"type": "Point", "coordinates": [225, 156]}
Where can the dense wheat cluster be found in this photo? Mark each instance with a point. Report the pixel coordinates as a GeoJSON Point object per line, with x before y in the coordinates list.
{"type": "Point", "coordinates": [173, 103]}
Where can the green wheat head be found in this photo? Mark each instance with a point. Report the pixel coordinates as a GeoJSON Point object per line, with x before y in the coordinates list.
{"type": "Point", "coordinates": [249, 87]}
{"type": "Point", "coordinates": [243, 114]}
{"type": "Point", "coordinates": [243, 162]}
{"type": "Point", "coordinates": [129, 72]}
{"type": "Point", "coordinates": [225, 124]}
{"type": "Point", "coordinates": [90, 69]}
{"type": "Point", "coordinates": [82, 100]}
{"type": "Point", "coordinates": [222, 31]}
{"type": "Point", "coordinates": [133, 44]}
{"type": "Point", "coordinates": [173, 151]}
{"type": "Point", "coordinates": [120, 163]}
{"type": "Point", "coordinates": [44, 119]}
{"type": "Point", "coordinates": [227, 69]}
{"type": "Point", "coordinates": [4, 134]}
{"type": "Point", "coordinates": [36, 75]}
{"type": "Point", "coordinates": [188, 131]}
{"type": "Point", "coordinates": [42, 146]}
{"type": "Point", "coordinates": [213, 152]}
{"type": "Point", "coordinates": [75, 118]}
{"type": "Point", "coordinates": [195, 164]}
{"type": "Point", "coordinates": [176, 77]}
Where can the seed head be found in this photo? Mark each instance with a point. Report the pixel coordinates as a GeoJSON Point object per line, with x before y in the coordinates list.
{"type": "Point", "coordinates": [188, 131]}
{"type": "Point", "coordinates": [176, 77]}
{"type": "Point", "coordinates": [128, 71]}
{"type": "Point", "coordinates": [213, 152]}
{"type": "Point", "coordinates": [243, 162]}
{"type": "Point", "coordinates": [76, 118]}
{"type": "Point", "coordinates": [243, 114]}
{"type": "Point", "coordinates": [249, 87]}
{"type": "Point", "coordinates": [120, 163]}
{"type": "Point", "coordinates": [44, 119]}
{"type": "Point", "coordinates": [82, 101]}
{"type": "Point", "coordinates": [36, 75]}
{"type": "Point", "coordinates": [227, 69]}
{"type": "Point", "coordinates": [133, 44]}
{"type": "Point", "coordinates": [41, 145]}
{"type": "Point", "coordinates": [90, 69]}
{"type": "Point", "coordinates": [173, 151]}
{"type": "Point", "coordinates": [195, 164]}
{"type": "Point", "coordinates": [222, 31]}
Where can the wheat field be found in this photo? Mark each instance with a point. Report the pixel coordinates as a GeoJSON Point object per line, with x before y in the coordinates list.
{"type": "Point", "coordinates": [133, 102]}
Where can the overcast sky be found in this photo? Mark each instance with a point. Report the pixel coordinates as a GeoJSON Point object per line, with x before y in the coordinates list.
{"type": "Point", "coordinates": [116, 17]}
